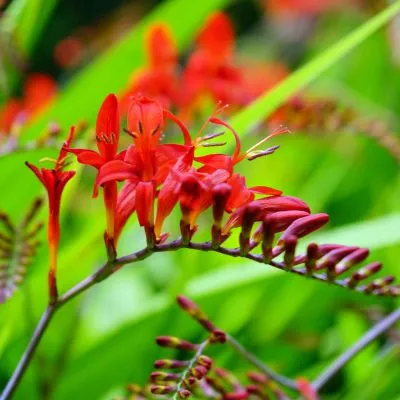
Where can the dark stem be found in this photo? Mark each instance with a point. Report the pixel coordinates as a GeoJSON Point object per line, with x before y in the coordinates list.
{"type": "Point", "coordinates": [27, 356]}
{"type": "Point", "coordinates": [361, 344]}
{"type": "Point", "coordinates": [192, 362]}
{"type": "Point", "coordinates": [252, 359]}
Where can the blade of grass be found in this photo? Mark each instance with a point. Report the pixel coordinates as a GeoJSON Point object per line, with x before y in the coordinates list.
{"type": "Point", "coordinates": [262, 107]}
{"type": "Point", "coordinates": [21, 26]}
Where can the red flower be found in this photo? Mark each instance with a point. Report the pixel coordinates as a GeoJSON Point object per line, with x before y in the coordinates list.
{"type": "Point", "coordinates": [146, 163]}
{"type": "Point", "coordinates": [39, 90]}
{"type": "Point", "coordinates": [107, 138]}
{"type": "Point", "coordinates": [54, 180]}
{"type": "Point", "coordinates": [210, 70]}
{"type": "Point", "coordinates": [301, 7]}
{"type": "Point", "coordinates": [159, 79]}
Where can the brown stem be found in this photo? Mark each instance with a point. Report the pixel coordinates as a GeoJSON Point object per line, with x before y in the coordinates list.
{"type": "Point", "coordinates": [192, 362]}
{"type": "Point", "coordinates": [252, 359]}
{"type": "Point", "coordinates": [27, 356]}
{"type": "Point", "coordinates": [360, 345]}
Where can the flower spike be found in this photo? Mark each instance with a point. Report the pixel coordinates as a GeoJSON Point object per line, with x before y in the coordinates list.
{"type": "Point", "coordinates": [54, 181]}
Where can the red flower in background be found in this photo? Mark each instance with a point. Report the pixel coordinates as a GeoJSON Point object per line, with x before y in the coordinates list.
{"type": "Point", "coordinates": [39, 90]}
{"type": "Point", "coordinates": [299, 7]}
{"type": "Point", "coordinates": [210, 70]}
{"type": "Point", "coordinates": [211, 73]}
{"type": "Point", "coordinates": [54, 181]}
{"type": "Point", "coordinates": [159, 79]}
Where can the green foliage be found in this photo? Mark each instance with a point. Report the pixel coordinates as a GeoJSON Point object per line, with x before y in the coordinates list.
{"type": "Point", "coordinates": [295, 325]}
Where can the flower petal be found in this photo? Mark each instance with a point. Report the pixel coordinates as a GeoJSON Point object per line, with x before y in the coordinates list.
{"type": "Point", "coordinates": [145, 194]}
{"type": "Point", "coordinates": [107, 127]}
{"type": "Point", "coordinates": [116, 170]}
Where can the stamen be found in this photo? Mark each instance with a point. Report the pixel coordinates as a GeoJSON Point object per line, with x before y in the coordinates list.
{"type": "Point", "coordinates": [210, 136]}
{"type": "Point", "coordinates": [130, 133]}
{"type": "Point", "coordinates": [140, 125]}
{"type": "Point", "coordinates": [218, 109]}
{"type": "Point", "coordinates": [102, 137]}
{"type": "Point", "coordinates": [279, 131]}
{"type": "Point", "coordinates": [260, 153]}
{"type": "Point", "coordinates": [106, 139]}
{"type": "Point", "coordinates": [45, 159]}
{"type": "Point", "coordinates": [213, 144]}
{"type": "Point", "coordinates": [155, 130]}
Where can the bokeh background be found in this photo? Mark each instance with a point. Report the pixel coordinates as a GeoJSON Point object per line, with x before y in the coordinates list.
{"type": "Point", "coordinates": [105, 339]}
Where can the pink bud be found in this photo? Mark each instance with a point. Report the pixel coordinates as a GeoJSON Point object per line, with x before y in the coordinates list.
{"type": "Point", "coordinates": [304, 226]}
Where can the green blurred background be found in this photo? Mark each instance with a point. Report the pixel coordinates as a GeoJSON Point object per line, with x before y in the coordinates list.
{"type": "Point", "coordinates": [105, 338]}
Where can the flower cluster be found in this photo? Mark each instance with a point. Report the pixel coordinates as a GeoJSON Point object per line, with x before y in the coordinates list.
{"type": "Point", "coordinates": [210, 74]}
{"type": "Point", "coordinates": [158, 176]}
{"type": "Point", "coordinates": [150, 178]}
{"type": "Point", "coordinates": [199, 376]}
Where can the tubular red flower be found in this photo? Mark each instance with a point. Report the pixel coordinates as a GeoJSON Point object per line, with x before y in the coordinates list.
{"type": "Point", "coordinates": [145, 195]}
{"type": "Point", "coordinates": [54, 181]}
{"type": "Point", "coordinates": [266, 206]}
{"type": "Point", "coordinates": [161, 48]}
{"type": "Point", "coordinates": [159, 79]}
{"type": "Point", "coordinates": [217, 36]}
{"type": "Point", "coordinates": [107, 139]}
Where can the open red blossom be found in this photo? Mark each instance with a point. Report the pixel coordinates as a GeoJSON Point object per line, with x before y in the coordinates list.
{"type": "Point", "coordinates": [196, 193]}
{"type": "Point", "coordinates": [54, 181]}
{"type": "Point", "coordinates": [107, 136]}
{"type": "Point", "coordinates": [147, 163]}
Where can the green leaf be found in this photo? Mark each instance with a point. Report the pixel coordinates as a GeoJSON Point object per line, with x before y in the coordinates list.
{"type": "Point", "coordinates": [262, 107]}
{"type": "Point", "coordinates": [21, 26]}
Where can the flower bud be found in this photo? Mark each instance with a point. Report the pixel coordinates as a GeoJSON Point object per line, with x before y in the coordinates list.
{"type": "Point", "coordinates": [311, 258]}
{"type": "Point", "coordinates": [304, 226]}
{"type": "Point", "coordinates": [175, 343]}
{"type": "Point", "coordinates": [240, 395]}
{"type": "Point", "coordinates": [248, 219]}
{"type": "Point", "coordinates": [352, 259]}
{"type": "Point", "coordinates": [205, 361]}
{"type": "Point", "coordinates": [363, 273]}
{"type": "Point", "coordinates": [160, 376]}
{"type": "Point", "coordinates": [195, 312]}
{"type": "Point", "coordinates": [379, 284]}
{"type": "Point", "coordinates": [290, 249]}
{"type": "Point", "coordinates": [159, 389]}
{"type": "Point", "coordinates": [189, 382]}
{"type": "Point", "coordinates": [220, 195]}
{"type": "Point", "coordinates": [217, 336]}
{"type": "Point", "coordinates": [268, 239]}
{"type": "Point", "coordinates": [258, 378]}
{"type": "Point", "coordinates": [199, 372]}
{"type": "Point", "coordinates": [334, 256]}
{"type": "Point", "coordinates": [170, 364]}
{"type": "Point", "coordinates": [184, 393]}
